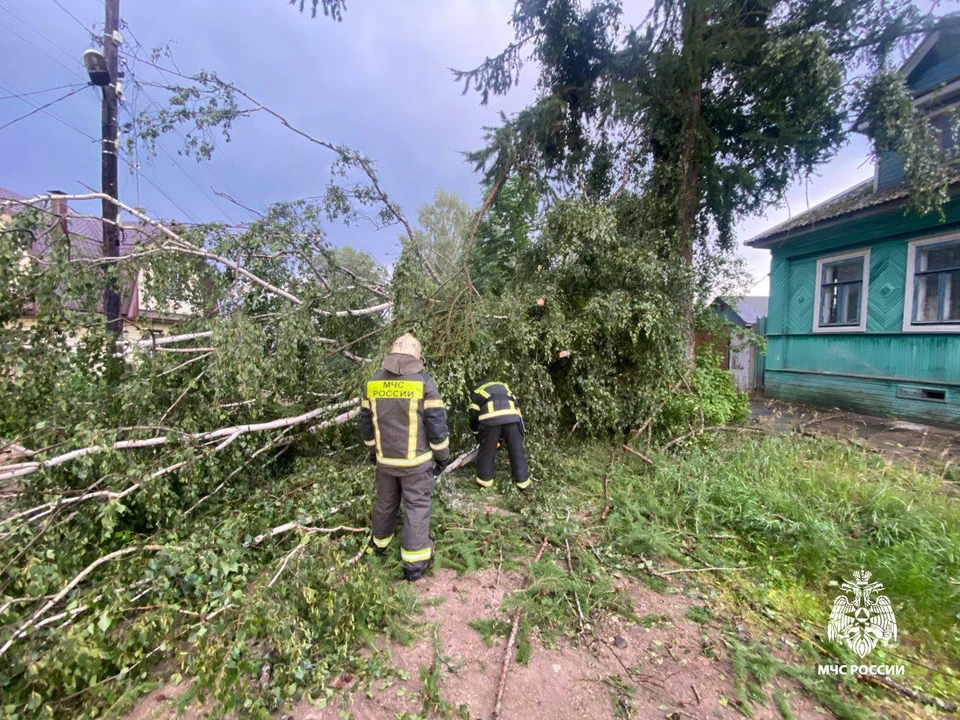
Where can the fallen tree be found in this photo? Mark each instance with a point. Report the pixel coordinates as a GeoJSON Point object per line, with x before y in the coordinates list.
{"type": "Point", "coordinates": [229, 436]}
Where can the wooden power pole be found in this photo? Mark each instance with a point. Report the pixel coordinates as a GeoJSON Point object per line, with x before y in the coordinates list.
{"type": "Point", "coordinates": [108, 169]}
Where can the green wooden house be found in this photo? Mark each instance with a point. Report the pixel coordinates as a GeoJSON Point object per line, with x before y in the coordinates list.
{"type": "Point", "coordinates": [865, 298]}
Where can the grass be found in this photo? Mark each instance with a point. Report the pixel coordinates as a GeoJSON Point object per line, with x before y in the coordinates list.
{"type": "Point", "coordinates": [806, 513]}
{"type": "Point", "coordinates": [802, 513]}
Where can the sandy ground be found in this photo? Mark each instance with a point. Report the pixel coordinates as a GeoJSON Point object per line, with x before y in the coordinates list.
{"type": "Point", "coordinates": [667, 667]}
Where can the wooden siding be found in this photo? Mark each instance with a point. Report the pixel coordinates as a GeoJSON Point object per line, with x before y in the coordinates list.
{"type": "Point", "coordinates": [872, 397]}
{"type": "Point", "coordinates": [917, 357]}
{"type": "Point", "coordinates": [889, 170]}
{"type": "Point", "coordinates": [859, 370]}
{"type": "Point", "coordinates": [942, 73]}
{"type": "Point", "coordinates": [869, 229]}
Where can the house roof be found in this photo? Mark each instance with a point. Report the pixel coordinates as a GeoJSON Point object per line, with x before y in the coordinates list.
{"type": "Point", "coordinates": [86, 242]}
{"type": "Point", "coordinates": [86, 233]}
{"type": "Point", "coordinates": [743, 311]}
{"type": "Point", "coordinates": [752, 307]}
{"type": "Point", "coordinates": [934, 64]}
{"type": "Point", "coordinates": [859, 197]}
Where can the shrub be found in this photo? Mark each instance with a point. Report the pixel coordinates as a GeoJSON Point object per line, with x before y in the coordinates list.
{"type": "Point", "coordinates": [715, 400]}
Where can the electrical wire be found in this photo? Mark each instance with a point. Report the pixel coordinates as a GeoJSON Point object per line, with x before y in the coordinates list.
{"type": "Point", "coordinates": [78, 20]}
{"type": "Point", "coordinates": [37, 47]}
{"type": "Point", "coordinates": [217, 148]}
{"type": "Point", "coordinates": [41, 92]}
{"type": "Point", "coordinates": [59, 119]}
{"type": "Point", "coordinates": [155, 186]}
{"type": "Point", "coordinates": [40, 108]}
{"type": "Point", "coordinates": [176, 164]}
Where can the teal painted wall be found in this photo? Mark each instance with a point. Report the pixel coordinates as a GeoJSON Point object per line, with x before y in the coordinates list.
{"type": "Point", "coordinates": [871, 397]}
{"type": "Point", "coordinates": [889, 170]}
{"type": "Point", "coordinates": [859, 370]}
{"type": "Point", "coordinates": [940, 74]}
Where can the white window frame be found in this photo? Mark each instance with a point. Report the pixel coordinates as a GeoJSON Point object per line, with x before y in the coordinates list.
{"type": "Point", "coordinates": [908, 325]}
{"type": "Point", "coordinates": [864, 293]}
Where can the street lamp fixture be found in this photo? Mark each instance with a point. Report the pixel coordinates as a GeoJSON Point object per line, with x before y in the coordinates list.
{"type": "Point", "coordinates": [96, 65]}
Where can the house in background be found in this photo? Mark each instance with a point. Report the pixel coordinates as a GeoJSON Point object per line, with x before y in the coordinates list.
{"type": "Point", "coordinates": [738, 355]}
{"type": "Point", "coordinates": [864, 296]}
{"type": "Point", "coordinates": [143, 316]}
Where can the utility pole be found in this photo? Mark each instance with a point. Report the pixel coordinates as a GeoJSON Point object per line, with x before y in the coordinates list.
{"type": "Point", "coordinates": [108, 169]}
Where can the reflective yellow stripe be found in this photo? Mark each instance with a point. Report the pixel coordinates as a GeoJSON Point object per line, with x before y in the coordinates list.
{"type": "Point", "coordinates": [382, 542]}
{"type": "Point", "coordinates": [405, 462]}
{"type": "Point", "coordinates": [370, 443]}
{"type": "Point", "coordinates": [490, 406]}
{"type": "Point", "coordinates": [412, 556]}
{"type": "Point", "coordinates": [484, 483]}
{"type": "Point", "coordinates": [499, 413]}
{"type": "Point", "coordinates": [433, 403]}
{"type": "Point", "coordinates": [525, 484]}
{"type": "Point", "coordinates": [440, 446]}
{"type": "Point", "coordinates": [395, 389]}
{"type": "Point", "coordinates": [365, 404]}
{"type": "Point", "coordinates": [413, 425]}
{"type": "Point", "coordinates": [474, 406]}
{"type": "Point", "coordinates": [376, 428]}
{"type": "Point", "coordinates": [482, 389]}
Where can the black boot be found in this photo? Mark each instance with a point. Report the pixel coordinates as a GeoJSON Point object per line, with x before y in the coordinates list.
{"type": "Point", "coordinates": [372, 548]}
{"type": "Point", "coordinates": [415, 573]}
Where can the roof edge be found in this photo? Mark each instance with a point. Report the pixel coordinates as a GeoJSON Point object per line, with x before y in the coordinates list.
{"type": "Point", "coordinates": [782, 238]}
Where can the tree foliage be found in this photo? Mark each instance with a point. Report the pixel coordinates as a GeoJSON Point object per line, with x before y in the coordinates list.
{"type": "Point", "coordinates": [144, 521]}
{"type": "Point", "coordinates": [745, 96]}
{"type": "Point", "coordinates": [332, 9]}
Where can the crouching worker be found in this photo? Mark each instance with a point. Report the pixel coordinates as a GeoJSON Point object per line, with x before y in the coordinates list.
{"type": "Point", "coordinates": [496, 418]}
{"type": "Point", "coordinates": [404, 424]}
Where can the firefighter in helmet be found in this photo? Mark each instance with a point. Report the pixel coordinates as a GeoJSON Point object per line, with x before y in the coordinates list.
{"type": "Point", "coordinates": [496, 418]}
{"type": "Point", "coordinates": [404, 424]}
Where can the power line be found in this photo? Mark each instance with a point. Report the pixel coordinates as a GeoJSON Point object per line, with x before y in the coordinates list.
{"type": "Point", "coordinates": [78, 20]}
{"type": "Point", "coordinates": [40, 108]}
{"type": "Point", "coordinates": [217, 148]}
{"type": "Point", "coordinates": [37, 47]}
{"type": "Point", "coordinates": [155, 186]}
{"type": "Point", "coordinates": [41, 92]}
{"type": "Point", "coordinates": [177, 165]}
{"type": "Point", "coordinates": [47, 112]}
{"type": "Point", "coordinates": [137, 169]}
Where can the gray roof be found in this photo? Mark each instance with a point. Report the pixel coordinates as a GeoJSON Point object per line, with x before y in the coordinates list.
{"type": "Point", "coordinates": [742, 311]}
{"type": "Point", "coordinates": [752, 307]}
{"type": "Point", "coordinates": [854, 201]}
{"type": "Point", "coordinates": [859, 197]}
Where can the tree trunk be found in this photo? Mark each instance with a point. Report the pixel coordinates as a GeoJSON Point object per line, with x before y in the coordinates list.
{"type": "Point", "coordinates": [688, 199]}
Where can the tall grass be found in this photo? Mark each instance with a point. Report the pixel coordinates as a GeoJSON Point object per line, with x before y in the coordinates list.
{"type": "Point", "coordinates": [806, 513]}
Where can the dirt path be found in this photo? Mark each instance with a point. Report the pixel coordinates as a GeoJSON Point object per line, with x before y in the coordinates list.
{"type": "Point", "coordinates": [666, 667]}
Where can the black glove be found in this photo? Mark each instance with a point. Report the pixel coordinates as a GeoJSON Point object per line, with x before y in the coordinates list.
{"type": "Point", "coordinates": [372, 458]}
{"type": "Point", "coordinates": [439, 466]}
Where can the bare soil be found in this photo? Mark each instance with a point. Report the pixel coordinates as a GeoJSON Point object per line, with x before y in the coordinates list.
{"type": "Point", "coordinates": [926, 447]}
{"type": "Point", "coordinates": [665, 667]}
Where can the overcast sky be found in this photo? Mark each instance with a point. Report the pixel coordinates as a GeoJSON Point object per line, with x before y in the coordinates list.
{"type": "Point", "coordinates": [378, 81]}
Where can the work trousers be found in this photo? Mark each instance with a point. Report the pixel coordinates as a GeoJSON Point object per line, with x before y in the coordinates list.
{"type": "Point", "coordinates": [416, 492]}
{"type": "Point", "coordinates": [511, 435]}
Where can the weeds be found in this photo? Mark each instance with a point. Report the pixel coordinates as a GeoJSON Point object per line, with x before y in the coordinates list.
{"type": "Point", "coordinates": [490, 629]}
{"type": "Point", "coordinates": [804, 512]}
{"type": "Point", "coordinates": [622, 695]}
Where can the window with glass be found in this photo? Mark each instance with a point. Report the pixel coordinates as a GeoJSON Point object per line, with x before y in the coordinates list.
{"type": "Point", "coordinates": [936, 283]}
{"type": "Point", "coordinates": [841, 292]}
